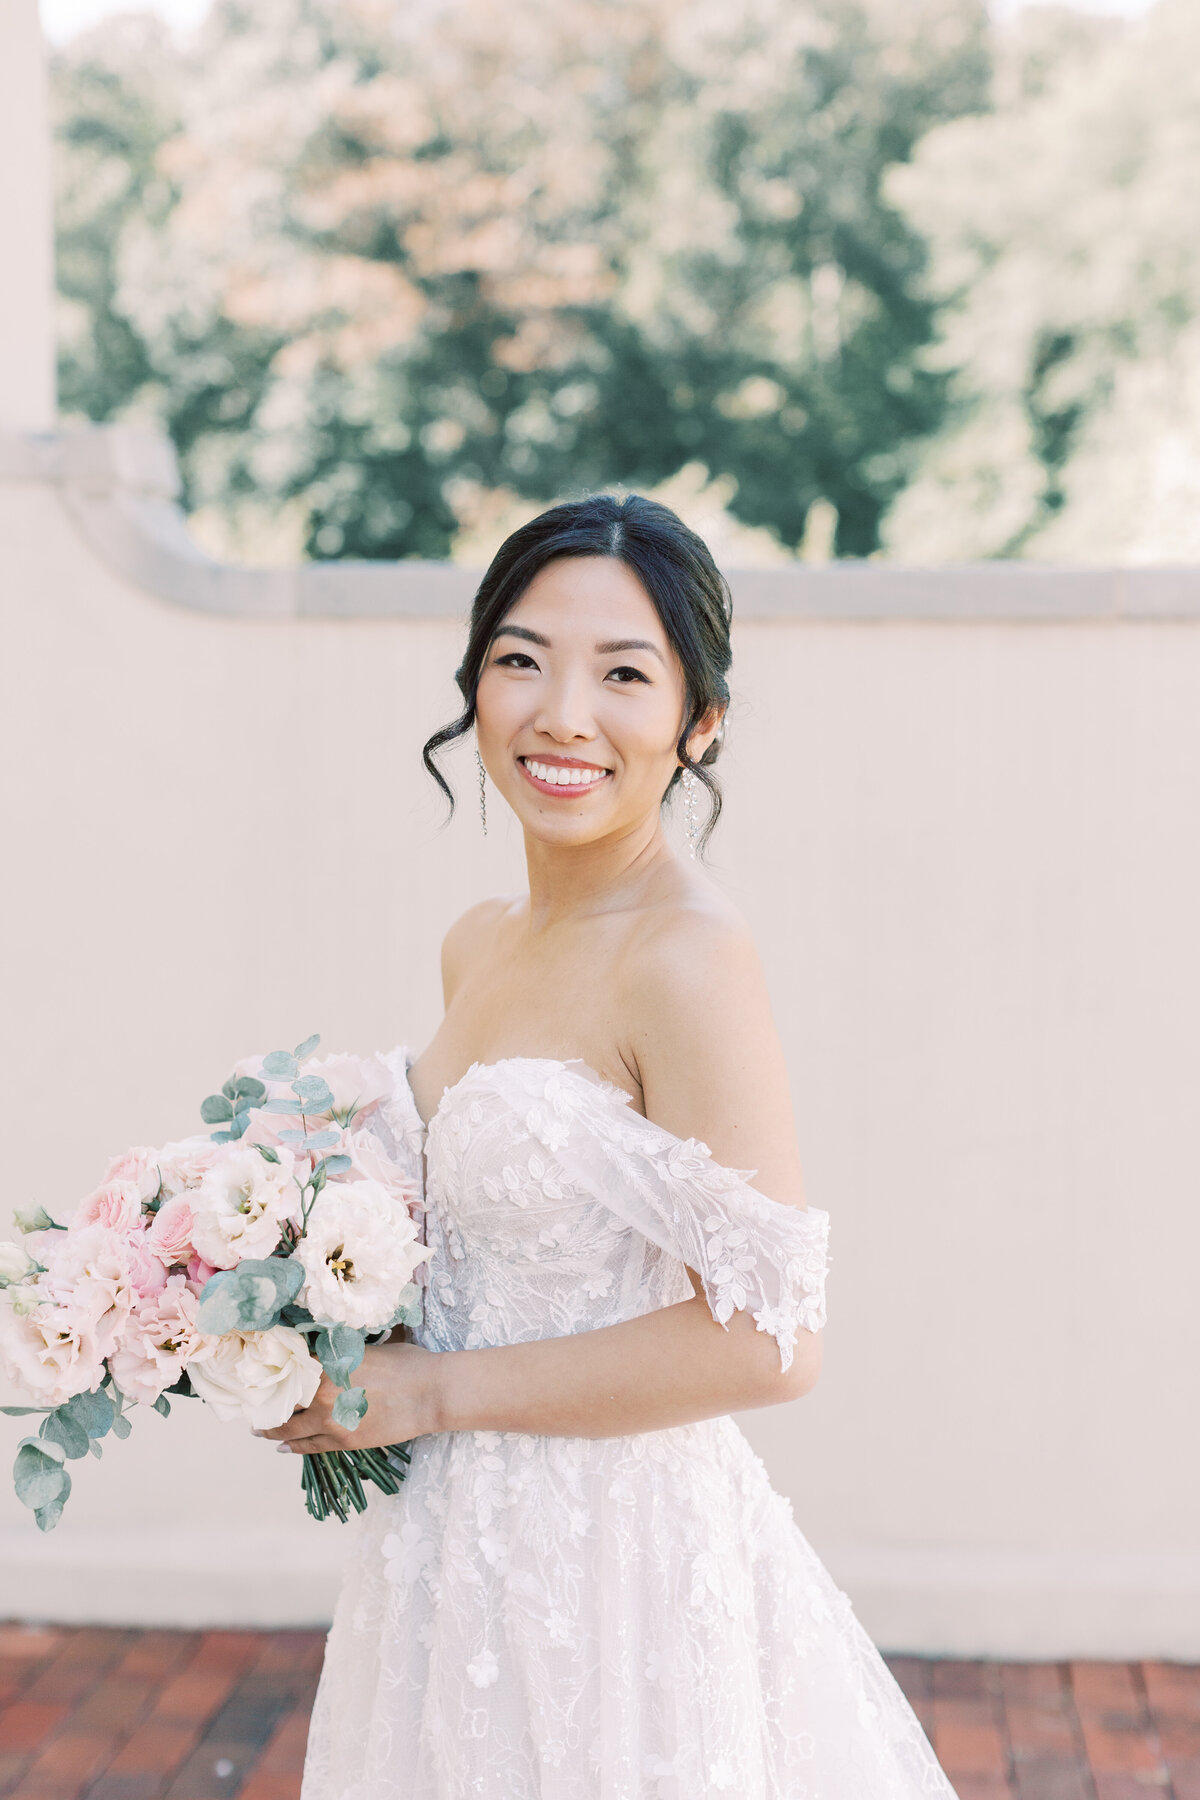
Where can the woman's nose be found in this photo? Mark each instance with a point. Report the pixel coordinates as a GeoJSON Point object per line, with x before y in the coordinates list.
{"type": "Point", "coordinates": [564, 713]}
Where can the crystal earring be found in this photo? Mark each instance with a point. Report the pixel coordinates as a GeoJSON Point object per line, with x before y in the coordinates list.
{"type": "Point", "coordinates": [482, 790]}
{"type": "Point", "coordinates": [691, 809]}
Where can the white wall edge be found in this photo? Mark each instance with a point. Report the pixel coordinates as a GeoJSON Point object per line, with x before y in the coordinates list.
{"type": "Point", "coordinates": [1028, 1605]}
{"type": "Point", "coordinates": [120, 484]}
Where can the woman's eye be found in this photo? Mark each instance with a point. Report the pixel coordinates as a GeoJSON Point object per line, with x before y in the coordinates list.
{"type": "Point", "coordinates": [515, 659]}
{"type": "Point", "coordinates": [627, 673]}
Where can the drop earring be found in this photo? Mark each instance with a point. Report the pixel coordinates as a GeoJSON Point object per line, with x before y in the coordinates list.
{"type": "Point", "coordinates": [691, 809]}
{"type": "Point", "coordinates": [482, 790]}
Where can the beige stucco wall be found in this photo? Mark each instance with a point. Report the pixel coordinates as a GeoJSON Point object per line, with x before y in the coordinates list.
{"type": "Point", "coordinates": [969, 850]}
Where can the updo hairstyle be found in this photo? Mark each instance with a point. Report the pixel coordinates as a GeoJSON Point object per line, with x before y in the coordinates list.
{"type": "Point", "coordinates": [675, 567]}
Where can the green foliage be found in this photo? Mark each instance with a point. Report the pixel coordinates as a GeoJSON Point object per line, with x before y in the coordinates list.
{"type": "Point", "coordinates": [1064, 234]}
{"type": "Point", "coordinates": [250, 1297]}
{"type": "Point", "coordinates": [340, 1349]}
{"type": "Point", "coordinates": [510, 251]}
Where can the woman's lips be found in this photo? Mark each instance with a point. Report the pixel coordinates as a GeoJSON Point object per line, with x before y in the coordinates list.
{"type": "Point", "coordinates": [560, 777]}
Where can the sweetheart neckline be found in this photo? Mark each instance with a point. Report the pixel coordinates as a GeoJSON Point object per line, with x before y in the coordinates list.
{"type": "Point", "coordinates": [503, 1062]}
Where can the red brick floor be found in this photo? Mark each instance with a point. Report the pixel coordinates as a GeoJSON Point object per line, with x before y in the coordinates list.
{"type": "Point", "coordinates": [175, 1715]}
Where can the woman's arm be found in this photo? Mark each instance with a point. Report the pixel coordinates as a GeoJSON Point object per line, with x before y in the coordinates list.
{"type": "Point", "coordinates": [669, 1367]}
{"type": "Point", "coordinates": [710, 1065]}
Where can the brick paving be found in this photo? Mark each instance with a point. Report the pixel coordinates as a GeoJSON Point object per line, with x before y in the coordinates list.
{"type": "Point", "coordinates": [90, 1714]}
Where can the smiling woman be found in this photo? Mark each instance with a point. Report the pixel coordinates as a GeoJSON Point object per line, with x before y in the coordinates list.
{"type": "Point", "coordinates": [626, 619]}
{"type": "Point", "coordinates": [587, 1588]}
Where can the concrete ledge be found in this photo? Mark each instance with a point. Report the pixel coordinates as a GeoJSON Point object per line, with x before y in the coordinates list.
{"type": "Point", "coordinates": [1026, 1605]}
{"type": "Point", "coordinates": [120, 484]}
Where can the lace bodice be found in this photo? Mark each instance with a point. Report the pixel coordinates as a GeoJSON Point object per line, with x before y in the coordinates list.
{"type": "Point", "coordinates": [553, 1207]}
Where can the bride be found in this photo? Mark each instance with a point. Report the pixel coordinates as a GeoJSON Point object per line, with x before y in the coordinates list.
{"type": "Point", "coordinates": [587, 1588]}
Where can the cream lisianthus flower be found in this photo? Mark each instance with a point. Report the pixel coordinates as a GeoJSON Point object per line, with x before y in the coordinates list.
{"type": "Point", "coordinates": [359, 1253]}
{"type": "Point", "coordinates": [258, 1376]}
{"type": "Point", "coordinates": [240, 1206]}
{"type": "Point", "coordinates": [51, 1352]}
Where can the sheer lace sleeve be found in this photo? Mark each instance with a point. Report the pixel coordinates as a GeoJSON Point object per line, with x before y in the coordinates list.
{"type": "Point", "coordinates": [749, 1251]}
{"type": "Point", "coordinates": [397, 1123]}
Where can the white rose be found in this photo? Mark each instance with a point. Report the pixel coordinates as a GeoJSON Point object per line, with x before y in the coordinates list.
{"type": "Point", "coordinates": [258, 1376]}
{"type": "Point", "coordinates": [359, 1253]}
{"type": "Point", "coordinates": [50, 1352]}
{"type": "Point", "coordinates": [356, 1082]}
{"type": "Point", "coordinates": [15, 1263]}
{"type": "Point", "coordinates": [241, 1204]}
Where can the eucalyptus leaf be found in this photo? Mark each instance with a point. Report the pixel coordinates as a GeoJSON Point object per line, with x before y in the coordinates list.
{"type": "Point", "coordinates": [282, 1106]}
{"type": "Point", "coordinates": [48, 1516]}
{"type": "Point", "coordinates": [315, 1092]}
{"type": "Point", "coordinates": [221, 1137]}
{"type": "Point", "coordinates": [240, 1122]}
{"type": "Point", "coordinates": [163, 1405]}
{"type": "Point", "coordinates": [280, 1065]}
{"type": "Point", "coordinates": [229, 1089]}
{"type": "Point", "coordinates": [291, 1137]}
{"type": "Point", "coordinates": [249, 1087]}
{"type": "Point", "coordinates": [349, 1408]}
{"type": "Point", "coordinates": [340, 1349]}
{"type": "Point", "coordinates": [216, 1109]}
{"type": "Point", "coordinates": [336, 1165]}
{"type": "Point", "coordinates": [96, 1449]}
{"type": "Point", "coordinates": [121, 1426]}
{"type": "Point", "coordinates": [60, 1428]}
{"type": "Point", "coordinates": [38, 1476]}
{"type": "Point", "coordinates": [250, 1297]}
{"type": "Point", "coordinates": [322, 1140]}
{"type": "Point", "coordinates": [21, 1412]}
{"type": "Point", "coordinates": [308, 1046]}
{"type": "Point", "coordinates": [266, 1152]}
{"type": "Point", "coordinates": [94, 1412]}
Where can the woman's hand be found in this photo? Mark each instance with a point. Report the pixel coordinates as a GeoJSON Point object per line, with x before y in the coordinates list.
{"type": "Point", "coordinates": [402, 1403]}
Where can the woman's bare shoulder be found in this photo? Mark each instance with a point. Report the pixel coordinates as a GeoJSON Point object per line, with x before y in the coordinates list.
{"type": "Point", "coordinates": [708, 1052]}
{"type": "Point", "coordinates": [473, 935]}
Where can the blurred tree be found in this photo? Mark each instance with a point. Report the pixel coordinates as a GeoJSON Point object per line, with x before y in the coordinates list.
{"type": "Point", "coordinates": [1065, 252]}
{"type": "Point", "coordinates": [377, 264]}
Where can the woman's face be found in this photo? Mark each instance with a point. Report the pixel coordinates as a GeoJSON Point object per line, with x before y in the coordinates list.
{"type": "Point", "coordinates": [580, 703]}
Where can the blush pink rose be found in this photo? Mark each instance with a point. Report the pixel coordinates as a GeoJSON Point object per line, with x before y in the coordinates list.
{"type": "Point", "coordinates": [116, 1205]}
{"type": "Point", "coordinates": [170, 1231]}
{"type": "Point", "coordinates": [184, 1164]}
{"type": "Point", "coordinates": [199, 1272]}
{"type": "Point", "coordinates": [50, 1352]}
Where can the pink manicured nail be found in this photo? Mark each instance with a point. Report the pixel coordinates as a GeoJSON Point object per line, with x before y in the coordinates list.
{"type": "Point", "coordinates": [284, 1449]}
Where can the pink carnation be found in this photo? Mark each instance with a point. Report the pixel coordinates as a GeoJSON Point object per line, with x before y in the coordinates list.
{"type": "Point", "coordinates": [158, 1337]}
{"type": "Point", "coordinates": [90, 1274]}
{"type": "Point", "coordinates": [199, 1273]}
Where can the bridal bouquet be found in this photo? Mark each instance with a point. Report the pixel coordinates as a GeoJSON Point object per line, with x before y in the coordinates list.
{"type": "Point", "coordinates": [233, 1266]}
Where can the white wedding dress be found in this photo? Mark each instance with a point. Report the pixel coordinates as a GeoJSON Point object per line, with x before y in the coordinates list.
{"type": "Point", "coordinates": [572, 1618]}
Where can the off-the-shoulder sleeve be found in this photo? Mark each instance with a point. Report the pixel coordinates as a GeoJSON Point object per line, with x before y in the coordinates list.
{"type": "Point", "coordinates": [396, 1122]}
{"type": "Point", "coordinates": [749, 1251]}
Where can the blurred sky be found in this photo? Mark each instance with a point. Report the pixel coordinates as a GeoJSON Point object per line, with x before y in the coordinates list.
{"type": "Point", "coordinates": [61, 18]}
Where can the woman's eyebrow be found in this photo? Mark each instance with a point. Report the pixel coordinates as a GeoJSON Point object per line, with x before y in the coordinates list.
{"type": "Point", "coordinates": [630, 644]}
{"type": "Point", "coordinates": [535, 637]}
{"type": "Point", "coordinates": [531, 637]}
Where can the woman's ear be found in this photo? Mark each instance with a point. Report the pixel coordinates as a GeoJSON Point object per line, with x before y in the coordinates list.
{"type": "Point", "coordinates": [706, 729]}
